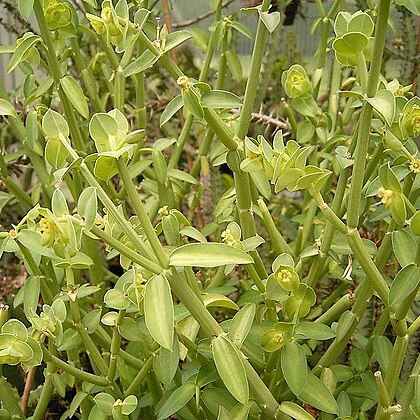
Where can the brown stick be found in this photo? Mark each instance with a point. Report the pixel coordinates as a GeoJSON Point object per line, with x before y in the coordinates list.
{"type": "Point", "coordinates": [168, 21]}
{"type": "Point", "coordinates": [190, 22]}
{"type": "Point", "coordinates": [28, 387]}
{"type": "Point", "coordinates": [416, 63]}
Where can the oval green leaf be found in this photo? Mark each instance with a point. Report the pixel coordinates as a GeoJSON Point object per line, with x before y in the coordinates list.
{"type": "Point", "coordinates": [159, 311]}
{"type": "Point", "coordinates": [178, 399]}
{"type": "Point", "coordinates": [220, 99]}
{"type": "Point", "coordinates": [208, 255]}
{"type": "Point", "coordinates": [405, 282]}
{"type": "Point", "coordinates": [75, 95]}
{"type": "Point", "coordinates": [230, 367]}
{"type": "Point", "coordinates": [241, 324]}
{"type": "Point", "coordinates": [317, 394]}
{"type": "Point", "coordinates": [294, 367]}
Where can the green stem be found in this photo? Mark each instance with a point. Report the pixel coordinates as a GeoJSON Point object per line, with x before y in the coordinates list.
{"type": "Point", "coordinates": [73, 371]}
{"type": "Point", "coordinates": [142, 215]}
{"type": "Point", "coordinates": [126, 251]}
{"type": "Point", "coordinates": [366, 116]}
{"type": "Point", "coordinates": [278, 243]}
{"type": "Point", "coordinates": [140, 377]}
{"type": "Point", "coordinates": [46, 393]}
{"type": "Point", "coordinates": [394, 369]}
{"type": "Point", "coordinates": [336, 310]}
{"type": "Point", "coordinates": [115, 346]}
{"type": "Point", "coordinates": [55, 72]}
{"type": "Point", "coordinates": [254, 75]}
{"type": "Point", "coordinates": [126, 226]}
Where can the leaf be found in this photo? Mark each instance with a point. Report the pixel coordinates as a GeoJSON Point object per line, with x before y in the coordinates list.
{"type": "Point", "coordinates": [294, 367]}
{"type": "Point", "coordinates": [181, 176]}
{"type": "Point", "coordinates": [220, 99]}
{"type": "Point", "coordinates": [317, 394]}
{"type": "Point", "coordinates": [412, 5]}
{"type": "Point", "coordinates": [406, 281]}
{"type": "Point", "coordinates": [21, 50]}
{"type": "Point", "coordinates": [230, 367]}
{"type": "Point", "coordinates": [193, 233]}
{"type": "Point", "coordinates": [54, 124]}
{"type": "Point", "coordinates": [59, 203]}
{"type": "Point", "coordinates": [32, 240]}
{"type": "Point", "coordinates": [6, 108]}
{"type": "Point", "coordinates": [208, 255]}
{"type": "Point", "coordinates": [129, 405]}
{"type": "Point", "coordinates": [241, 324]}
{"type": "Point", "coordinates": [192, 103]}
{"type": "Point", "coordinates": [345, 323]}
{"type": "Point", "coordinates": [178, 399]}
{"type": "Point", "coordinates": [217, 300]}
{"type": "Point", "coordinates": [176, 38]}
{"type": "Point", "coordinates": [103, 128]}
{"type": "Point", "coordinates": [415, 223]}
{"type": "Point", "coordinates": [165, 364]}
{"type": "Point", "coordinates": [75, 95]}
{"type": "Point", "coordinates": [87, 206]}
{"type": "Point", "coordinates": [104, 402]}
{"type": "Point", "coordinates": [55, 153]}
{"type": "Point", "coordinates": [234, 65]}
{"type": "Point", "coordinates": [295, 411]}
{"type": "Point", "coordinates": [159, 310]}
{"type": "Point", "coordinates": [361, 22]}
{"type": "Point", "coordinates": [171, 109]}
{"type": "Point", "coordinates": [350, 44]}
{"type": "Point", "coordinates": [305, 105]}
{"type": "Point", "coordinates": [25, 8]}
{"type": "Point", "coordinates": [288, 178]}
{"type": "Point", "coordinates": [404, 247]}
{"type": "Point", "coordinates": [314, 330]}
{"type": "Point", "coordinates": [144, 62]}
{"type": "Point", "coordinates": [115, 299]}
{"type": "Point", "coordinates": [270, 20]}
{"type": "Point", "coordinates": [240, 27]}
{"type": "Point", "coordinates": [384, 104]}
{"type": "Point", "coordinates": [31, 295]}
{"type": "Point", "coordinates": [105, 168]}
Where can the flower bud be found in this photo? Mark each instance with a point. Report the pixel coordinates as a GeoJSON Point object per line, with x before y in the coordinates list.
{"type": "Point", "coordinates": [57, 15]}
{"type": "Point", "coordinates": [410, 122]}
{"type": "Point", "coordinates": [296, 82]}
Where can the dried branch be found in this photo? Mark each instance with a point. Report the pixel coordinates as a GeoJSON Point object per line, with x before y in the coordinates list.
{"type": "Point", "coordinates": [190, 22]}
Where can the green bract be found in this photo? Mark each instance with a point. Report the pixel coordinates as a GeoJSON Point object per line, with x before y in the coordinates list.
{"type": "Point", "coordinates": [353, 36]}
{"type": "Point", "coordinates": [410, 120]}
{"type": "Point", "coordinates": [209, 231]}
{"type": "Point", "coordinates": [295, 81]}
{"type": "Point", "coordinates": [277, 337]}
{"type": "Point", "coordinates": [57, 14]}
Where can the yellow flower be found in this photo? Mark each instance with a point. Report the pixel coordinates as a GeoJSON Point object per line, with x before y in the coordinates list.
{"type": "Point", "coordinates": [415, 166]}
{"type": "Point", "coordinates": [386, 196]}
{"type": "Point", "coordinates": [228, 237]}
{"type": "Point", "coordinates": [182, 82]}
{"type": "Point", "coordinates": [13, 234]}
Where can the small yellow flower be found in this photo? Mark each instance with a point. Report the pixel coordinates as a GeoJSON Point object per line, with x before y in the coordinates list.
{"type": "Point", "coordinates": [164, 211]}
{"type": "Point", "coordinates": [228, 237]}
{"type": "Point", "coordinates": [13, 234]}
{"type": "Point", "coordinates": [106, 14]}
{"type": "Point", "coordinates": [284, 276]}
{"type": "Point", "coordinates": [183, 82]}
{"type": "Point", "coordinates": [278, 338]}
{"type": "Point", "coordinates": [386, 196]}
{"type": "Point", "coordinates": [415, 166]}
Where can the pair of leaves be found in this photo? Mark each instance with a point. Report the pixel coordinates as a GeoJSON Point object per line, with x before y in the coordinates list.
{"type": "Point", "coordinates": [303, 384]}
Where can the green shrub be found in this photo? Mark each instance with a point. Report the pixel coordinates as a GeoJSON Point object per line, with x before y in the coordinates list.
{"type": "Point", "coordinates": [285, 285]}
